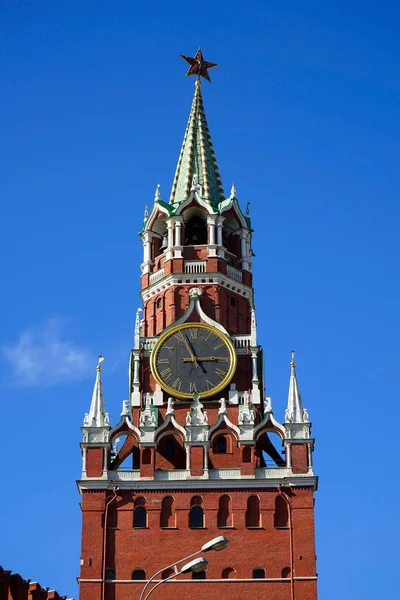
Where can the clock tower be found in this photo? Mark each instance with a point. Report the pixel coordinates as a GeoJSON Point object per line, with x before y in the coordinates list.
{"type": "Point", "coordinates": [198, 453]}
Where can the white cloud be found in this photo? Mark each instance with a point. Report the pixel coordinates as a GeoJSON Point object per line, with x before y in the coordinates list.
{"type": "Point", "coordinates": [40, 357]}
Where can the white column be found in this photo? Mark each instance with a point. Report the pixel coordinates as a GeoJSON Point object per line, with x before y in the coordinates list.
{"type": "Point", "coordinates": [136, 369]}
{"type": "Point", "coordinates": [104, 460]}
{"type": "Point", "coordinates": [212, 246]}
{"type": "Point", "coordinates": [169, 250]}
{"type": "Point", "coordinates": [309, 458]}
{"type": "Point", "coordinates": [147, 262]}
{"type": "Point", "coordinates": [212, 233]}
{"type": "Point", "coordinates": [178, 237]}
{"type": "Point", "coordinates": [84, 460]}
{"type": "Point", "coordinates": [219, 233]}
{"type": "Point", "coordinates": [188, 458]}
{"type": "Point", "coordinates": [177, 233]}
{"type": "Point", "coordinates": [289, 456]}
{"type": "Point", "coordinates": [205, 450]}
{"type": "Point", "coordinates": [254, 362]}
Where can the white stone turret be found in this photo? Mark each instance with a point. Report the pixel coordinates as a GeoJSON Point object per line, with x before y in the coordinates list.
{"type": "Point", "coordinates": [297, 423]}
{"type": "Point", "coordinates": [97, 416]}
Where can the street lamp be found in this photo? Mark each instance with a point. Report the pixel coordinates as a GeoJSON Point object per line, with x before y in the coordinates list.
{"type": "Point", "coordinates": [217, 544]}
{"type": "Point", "coordinates": [195, 566]}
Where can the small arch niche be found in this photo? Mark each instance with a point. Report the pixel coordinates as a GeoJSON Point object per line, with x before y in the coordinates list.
{"type": "Point", "coordinates": [201, 575]}
{"type": "Point", "coordinates": [140, 514]}
{"type": "Point", "coordinates": [110, 574]}
{"type": "Point", "coordinates": [281, 514]}
{"type": "Point", "coordinates": [138, 574]}
{"type": "Point", "coordinates": [167, 514]}
{"type": "Point", "coordinates": [222, 444]}
{"type": "Point", "coordinates": [246, 454]}
{"type": "Point", "coordinates": [258, 573]}
{"type": "Point", "coordinates": [224, 516]}
{"type": "Point", "coordinates": [196, 513]}
{"type": "Point", "coordinates": [285, 572]}
{"type": "Point", "coordinates": [229, 573]}
{"type": "Point", "coordinates": [253, 512]}
{"type": "Point", "coordinates": [167, 573]}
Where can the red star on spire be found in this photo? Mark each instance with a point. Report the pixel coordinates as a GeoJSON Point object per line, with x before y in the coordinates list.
{"type": "Point", "coordinates": [199, 66]}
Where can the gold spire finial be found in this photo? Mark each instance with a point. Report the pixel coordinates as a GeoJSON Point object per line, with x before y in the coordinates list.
{"type": "Point", "coordinates": [293, 353]}
{"type": "Point", "coordinates": [100, 360]}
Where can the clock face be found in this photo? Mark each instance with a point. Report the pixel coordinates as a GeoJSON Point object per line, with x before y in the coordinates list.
{"type": "Point", "coordinates": [193, 359]}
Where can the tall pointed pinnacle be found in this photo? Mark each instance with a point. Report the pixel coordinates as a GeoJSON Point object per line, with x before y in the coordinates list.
{"type": "Point", "coordinates": [97, 416]}
{"type": "Point", "coordinates": [197, 160]}
{"type": "Point", "coordinates": [295, 413]}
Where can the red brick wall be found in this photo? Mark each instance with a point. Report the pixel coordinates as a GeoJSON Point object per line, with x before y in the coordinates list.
{"type": "Point", "coordinates": [299, 458]}
{"type": "Point", "coordinates": [225, 306]}
{"type": "Point", "coordinates": [152, 548]}
{"type": "Point", "coordinates": [94, 464]}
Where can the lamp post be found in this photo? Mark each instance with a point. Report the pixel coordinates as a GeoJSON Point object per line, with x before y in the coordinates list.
{"type": "Point", "coordinates": [195, 566]}
{"type": "Point", "coordinates": [217, 544]}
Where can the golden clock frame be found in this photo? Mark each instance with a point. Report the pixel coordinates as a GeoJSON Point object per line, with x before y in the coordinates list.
{"type": "Point", "coordinates": [171, 331]}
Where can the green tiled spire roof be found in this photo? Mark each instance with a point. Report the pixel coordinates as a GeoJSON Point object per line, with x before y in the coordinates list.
{"type": "Point", "coordinates": [197, 158]}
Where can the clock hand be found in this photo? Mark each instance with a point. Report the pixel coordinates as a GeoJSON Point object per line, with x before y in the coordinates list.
{"type": "Point", "coordinates": [192, 356]}
{"type": "Point", "coordinates": [201, 358]}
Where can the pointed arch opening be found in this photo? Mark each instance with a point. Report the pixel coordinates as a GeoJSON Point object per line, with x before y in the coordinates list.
{"type": "Point", "coordinates": [253, 516]}
{"type": "Point", "coordinates": [225, 516]}
{"type": "Point", "coordinates": [270, 450]}
{"type": "Point", "coordinates": [125, 452]}
{"type": "Point", "coordinates": [170, 452]}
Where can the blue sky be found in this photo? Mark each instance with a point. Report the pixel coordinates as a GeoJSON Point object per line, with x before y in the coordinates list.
{"type": "Point", "coordinates": [304, 116]}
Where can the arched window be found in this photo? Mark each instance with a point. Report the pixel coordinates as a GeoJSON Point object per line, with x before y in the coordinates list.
{"type": "Point", "coordinates": [233, 301]}
{"type": "Point", "coordinates": [138, 574]}
{"type": "Point", "coordinates": [201, 575]}
{"type": "Point", "coordinates": [229, 573]}
{"type": "Point", "coordinates": [159, 303]}
{"type": "Point", "coordinates": [139, 517]}
{"type": "Point", "coordinates": [253, 512]}
{"type": "Point", "coordinates": [110, 574]}
{"type": "Point", "coordinates": [196, 514]}
{"type": "Point", "coordinates": [285, 572]}
{"type": "Point", "coordinates": [281, 515]}
{"type": "Point", "coordinates": [196, 232]}
{"type": "Point", "coordinates": [220, 445]}
{"type": "Point", "coordinates": [167, 573]}
{"type": "Point", "coordinates": [258, 573]}
{"type": "Point", "coordinates": [167, 516]}
{"type": "Point", "coordinates": [224, 517]}
{"type": "Point", "coordinates": [196, 517]}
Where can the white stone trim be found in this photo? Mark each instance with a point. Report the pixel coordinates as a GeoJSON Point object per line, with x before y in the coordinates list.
{"type": "Point", "coordinates": [193, 279]}
{"type": "Point", "coordinates": [203, 482]}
